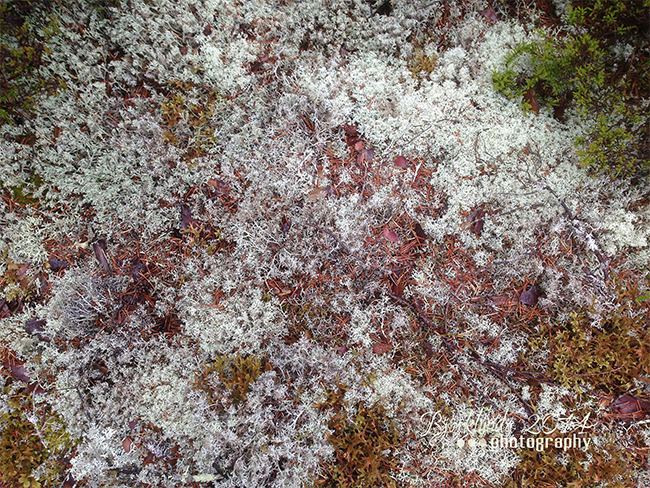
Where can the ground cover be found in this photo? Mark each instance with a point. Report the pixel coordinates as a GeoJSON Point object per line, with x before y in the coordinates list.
{"type": "Point", "coordinates": [347, 243]}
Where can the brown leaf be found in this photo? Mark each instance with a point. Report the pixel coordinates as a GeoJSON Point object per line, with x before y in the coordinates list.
{"type": "Point", "coordinates": [359, 146]}
{"type": "Point", "coordinates": [419, 233]}
{"type": "Point", "coordinates": [628, 407]}
{"type": "Point", "coordinates": [285, 225]}
{"type": "Point", "coordinates": [186, 218]}
{"type": "Point", "coordinates": [381, 347]}
{"type": "Point", "coordinates": [273, 246]}
{"type": "Point", "coordinates": [390, 235]}
{"type": "Point", "coordinates": [184, 50]}
{"type": "Point", "coordinates": [529, 297]}
{"type": "Point", "coordinates": [490, 14]}
{"type": "Point", "coordinates": [350, 130]}
{"type": "Point", "coordinates": [400, 161]}
{"type": "Point", "coordinates": [529, 96]}
{"type": "Point", "coordinates": [57, 264]}
{"type": "Point", "coordinates": [474, 221]}
{"type": "Point", "coordinates": [317, 193]}
{"type": "Point", "coordinates": [126, 444]}
{"type": "Point", "coordinates": [366, 155]}
{"type": "Point", "coordinates": [17, 371]}
{"type": "Point", "coordinates": [208, 30]}
{"type": "Point", "coordinates": [99, 247]}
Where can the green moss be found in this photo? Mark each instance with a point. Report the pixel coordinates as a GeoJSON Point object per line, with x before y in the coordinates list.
{"type": "Point", "coordinates": [23, 449]}
{"type": "Point", "coordinates": [610, 358]}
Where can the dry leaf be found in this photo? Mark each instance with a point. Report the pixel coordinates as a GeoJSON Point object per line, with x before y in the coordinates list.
{"type": "Point", "coordinates": [529, 96]}
{"type": "Point", "coordinates": [317, 193]}
{"type": "Point", "coordinates": [184, 50]}
{"type": "Point", "coordinates": [381, 347]}
{"type": "Point", "coordinates": [474, 221]}
{"type": "Point", "coordinates": [100, 253]}
{"type": "Point", "coordinates": [126, 444]}
{"type": "Point", "coordinates": [285, 225]}
{"type": "Point", "coordinates": [490, 14]}
{"type": "Point", "coordinates": [400, 161]}
{"type": "Point", "coordinates": [57, 264]}
{"type": "Point", "coordinates": [628, 407]}
{"type": "Point", "coordinates": [419, 233]}
{"type": "Point", "coordinates": [359, 146]}
{"type": "Point", "coordinates": [390, 235]}
{"type": "Point", "coordinates": [529, 297]}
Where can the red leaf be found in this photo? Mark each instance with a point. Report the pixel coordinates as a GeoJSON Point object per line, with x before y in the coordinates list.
{"type": "Point", "coordinates": [390, 235]}
{"type": "Point", "coordinates": [359, 146]}
{"type": "Point", "coordinates": [381, 347]}
{"type": "Point", "coordinates": [400, 161]}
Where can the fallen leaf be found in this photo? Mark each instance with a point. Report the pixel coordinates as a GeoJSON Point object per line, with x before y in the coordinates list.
{"type": "Point", "coordinates": [126, 444]}
{"type": "Point", "coordinates": [99, 247]}
{"type": "Point", "coordinates": [490, 14]}
{"type": "Point", "coordinates": [186, 218]}
{"type": "Point", "coordinates": [419, 233]}
{"type": "Point", "coordinates": [350, 130]}
{"type": "Point", "coordinates": [474, 221]}
{"type": "Point", "coordinates": [184, 50]}
{"type": "Point", "coordinates": [381, 347]}
{"type": "Point", "coordinates": [529, 96]}
{"type": "Point", "coordinates": [359, 146]}
{"type": "Point", "coordinates": [317, 193]}
{"type": "Point", "coordinates": [285, 225]}
{"type": "Point", "coordinates": [628, 407]}
{"type": "Point", "coordinates": [57, 264]}
{"type": "Point", "coordinates": [400, 161]}
{"type": "Point", "coordinates": [529, 297]}
{"type": "Point", "coordinates": [365, 156]}
{"type": "Point", "coordinates": [17, 371]}
{"type": "Point", "coordinates": [390, 235]}
{"type": "Point", "coordinates": [273, 246]}
{"type": "Point", "coordinates": [208, 30]}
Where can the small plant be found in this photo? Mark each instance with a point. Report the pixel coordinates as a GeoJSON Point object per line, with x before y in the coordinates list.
{"type": "Point", "coordinates": [237, 375]}
{"type": "Point", "coordinates": [610, 358]}
{"type": "Point", "coordinates": [605, 465]}
{"type": "Point", "coordinates": [585, 67]}
{"type": "Point", "coordinates": [421, 66]}
{"type": "Point", "coordinates": [364, 444]}
{"type": "Point", "coordinates": [25, 447]}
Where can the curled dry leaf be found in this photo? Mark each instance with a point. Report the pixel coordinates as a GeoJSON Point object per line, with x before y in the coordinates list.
{"type": "Point", "coordinates": [628, 407]}
{"type": "Point", "coordinates": [400, 161]}
{"type": "Point", "coordinates": [390, 235]}
{"type": "Point", "coordinates": [381, 347]}
{"type": "Point", "coordinates": [99, 247]}
{"type": "Point", "coordinates": [529, 297]}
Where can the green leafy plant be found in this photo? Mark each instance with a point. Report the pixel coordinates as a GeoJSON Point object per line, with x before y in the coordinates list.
{"type": "Point", "coordinates": [25, 447]}
{"type": "Point", "coordinates": [585, 67]}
